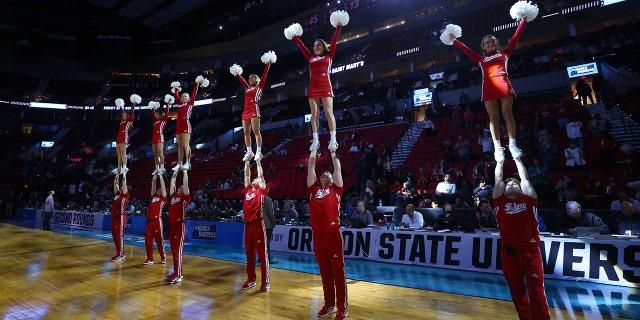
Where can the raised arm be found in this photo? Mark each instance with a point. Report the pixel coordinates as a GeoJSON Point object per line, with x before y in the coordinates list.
{"type": "Point", "coordinates": [334, 41]}
{"type": "Point", "coordinates": [515, 38]}
{"type": "Point", "coordinates": [525, 183]}
{"type": "Point", "coordinates": [166, 113]}
{"type": "Point", "coordinates": [194, 92]}
{"type": "Point", "coordinates": [133, 108]}
{"type": "Point", "coordinates": [498, 187]}
{"type": "Point", "coordinates": [163, 189]}
{"type": "Point", "coordinates": [116, 184]}
{"type": "Point", "coordinates": [124, 184]}
{"type": "Point", "coordinates": [337, 169]}
{"type": "Point", "coordinates": [311, 169]}
{"type": "Point", "coordinates": [172, 185]}
{"type": "Point", "coordinates": [302, 48]}
{"type": "Point", "coordinates": [470, 53]}
{"type": "Point", "coordinates": [247, 174]}
{"type": "Point", "coordinates": [243, 82]}
{"type": "Point", "coordinates": [185, 182]}
{"type": "Point", "coordinates": [263, 78]}
{"type": "Point", "coordinates": [153, 186]}
{"type": "Point", "coordinates": [263, 183]}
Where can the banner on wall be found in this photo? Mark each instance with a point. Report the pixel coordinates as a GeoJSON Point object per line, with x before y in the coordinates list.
{"type": "Point", "coordinates": [77, 219]}
{"type": "Point", "coordinates": [614, 262]}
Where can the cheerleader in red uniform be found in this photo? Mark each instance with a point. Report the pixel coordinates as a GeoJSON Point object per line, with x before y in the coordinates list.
{"type": "Point", "coordinates": [183, 125]}
{"type": "Point", "coordinates": [496, 87]}
{"type": "Point", "coordinates": [153, 230]}
{"type": "Point", "coordinates": [320, 89]}
{"type": "Point", "coordinates": [122, 141]}
{"type": "Point", "coordinates": [180, 199]}
{"type": "Point", "coordinates": [251, 112]}
{"type": "Point", "coordinates": [119, 216]}
{"type": "Point", "coordinates": [160, 119]}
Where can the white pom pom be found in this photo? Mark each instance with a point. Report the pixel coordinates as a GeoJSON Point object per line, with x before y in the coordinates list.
{"type": "Point", "coordinates": [119, 103]}
{"type": "Point", "coordinates": [205, 83]}
{"type": "Point", "coordinates": [269, 57]}
{"type": "Point", "coordinates": [169, 99]}
{"type": "Point", "coordinates": [176, 86]}
{"type": "Point", "coordinates": [154, 105]}
{"type": "Point", "coordinates": [135, 98]}
{"type": "Point", "coordinates": [339, 17]}
{"type": "Point", "coordinates": [524, 10]}
{"type": "Point", "coordinates": [450, 29]}
{"type": "Point", "coordinates": [235, 70]}
{"type": "Point", "coordinates": [293, 30]}
{"type": "Point", "coordinates": [199, 79]}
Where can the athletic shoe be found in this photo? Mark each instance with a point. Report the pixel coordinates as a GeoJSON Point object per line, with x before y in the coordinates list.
{"type": "Point", "coordinates": [315, 144]}
{"type": "Point", "coordinates": [117, 258]}
{"type": "Point", "coordinates": [516, 152]}
{"type": "Point", "coordinates": [155, 172]}
{"type": "Point", "coordinates": [177, 167]}
{"type": "Point", "coordinates": [186, 166]}
{"type": "Point", "coordinates": [175, 279]}
{"type": "Point", "coordinates": [258, 156]}
{"type": "Point", "coordinates": [333, 145]}
{"type": "Point", "coordinates": [173, 275]}
{"type": "Point", "coordinates": [264, 288]}
{"type": "Point", "coordinates": [164, 260]}
{"type": "Point", "coordinates": [342, 315]}
{"type": "Point", "coordinates": [499, 154]}
{"type": "Point", "coordinates": [248, 285]}
{"type": "Point", "coordinates": [124, 170]}
{"type": "Point", "coordinates": [162, 171]}
{"type": "Point", "coordinates": [326, 311]}
{"type": "Point", "coordinates": [147, 262]}
{"type": "Point", "coordinates": [247, 156]}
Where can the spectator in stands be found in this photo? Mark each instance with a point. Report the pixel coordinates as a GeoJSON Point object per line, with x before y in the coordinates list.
{"type": "Point", "coordinates": [290, 214]}
{"type": "Point", "coordinates": [484, 214]}
{"type": "Point", "coordinates": [524, 136]}
{"type": "Point", "coordinates": [496, 87]}
{"type": "Point", "coordinates": [597, 124]}
{"type": "Point", "coordinates": [464, 188]}
{"type": "Point", "coordinates": [405, 194]}
{"type": "Point", "coordinates": [456, 115]}
{"type": "Point", "coordinates": [563, 186]}
{"type": "Point", "coordinates": [447, 151]}
{"type": "Point", "coordinates": [584, 91]}
{"type": "Point", "coordinates": [622, 196]}
{"type": "Point", "coordinates": [486, 142]}
{"type": "Point", "coordinates": [625, 221]}
{"type": "Point", "coordinates": [122, 141]}
{"type": "Point", "coordinates": [575, 157]}
{"type": "Point", "coordinates": [574, 217]}
{"type": "Point", "coordinates": [574, 132]}
{"type": "Point", "coordinates": [561, 114]}
{"type": "Point", "coordinates": [412, 219]}
{"type": "Point", "coordinates": [484, 191]}
{"type": "Point", "coordinates": [251, 112]}
{"type": "Point", "coordinates": [320, 89]}
{"type": "Point", "coordinates": [183, 124]}
{"type": "Point", "coordinates": [463, 148]}
{"type": "Point", "coordinates": [469, 118]}
{"type": "Point", "coordinates": [549, 153]}
{"type": "Point", "coordinates": [354, 148]}
{"type": "Point", "coordinates": [428, 127]}
{"type": "Point", "coordinates": [446, 189]}
{"type": "Point", "coordinates": [361, 217]}
{"type": "Point", "coordinates": [447, 219]}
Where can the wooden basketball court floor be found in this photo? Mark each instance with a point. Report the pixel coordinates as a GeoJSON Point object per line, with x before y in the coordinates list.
{"type": "Point", "coordinates": [66, 275]}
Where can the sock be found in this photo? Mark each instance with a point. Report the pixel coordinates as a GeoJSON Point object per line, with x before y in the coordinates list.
{"type": "Point", "coordinates": [496, 144]}
{"type": "Point", "coordinates": [315, 136]}
{"type": "Point", "coordinates": [258, 149]}
{"type": "Point", "coordinates": [333, 135]}
{"type": "Point", "coordinates": [249, 150]}
{"type": "Point", "coordinates": [512, 142]}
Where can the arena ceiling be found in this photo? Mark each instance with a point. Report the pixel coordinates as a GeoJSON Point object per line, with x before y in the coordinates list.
{"type": "Point", "coordinates": [152, 24]}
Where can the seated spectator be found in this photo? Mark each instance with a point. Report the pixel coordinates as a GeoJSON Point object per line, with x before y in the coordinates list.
{"type": "Point", "coordinates": [448, 219]}
{"type": "Point", "coordinates": [485, 216]}
{"type": "Point", "coordinates": [428, 127]}
{"type": "Point", "coordinates": [549, 153]}
{"type": "Point", "coordinates": [574, 132]}
{"type": "Point", "coordinates": [361, 217]}
{"type": "Point", "coordinates": [354, 148]}
{"type": "Point", "coordinates": [622, 196]}
{"type": "Point", "coordinates": [446, 189]}
{"type": "Point", "coordinates": [625, 221]}
{"type": "Point", "coordinates": [290, 214]}
{"type": "Point", "coordinates": [574, 217]}
{"type": "Point", "coordinates": [486, 142]}
{"type": "Point", "coordinates": [412, 219]}
{"type": "Point", "coordinates": [483, 191]}
{"type": "Point", "coordinates": [575, 157]}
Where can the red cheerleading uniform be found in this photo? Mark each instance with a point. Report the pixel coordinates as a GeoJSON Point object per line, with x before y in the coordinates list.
{"type": "Point", "coordinates": [319, 68]}
{"type": "Point", "coordinates": [520, 252]}
{"type": "Point", "coordinates": [255, 233]}
{"type": "Point", "coordinates": [118, 220]}
{"type": "Point", "coordinates": [324, 209]}
{"type": "Point", "coordinates": [125, 126]}
{"type": "Point", "coordinates": [154, 226]}
{"type": "Point", "coordinates": [183, 125]}
{"type": "Point", "coordinates": [252, 95]}
{"type": "Point", "coordinates": [158, 126]}
{"type": "Point", "coordinates": [177, 229]}
{"type": "Point", "coordinates": [495, 79]}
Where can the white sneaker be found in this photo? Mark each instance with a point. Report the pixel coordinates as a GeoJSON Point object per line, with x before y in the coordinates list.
{"type": "Point", "coordinates": [177, 167]}
{"type": "Point", "coordinates": [333, 145]}
{"type": "Point", "coordinates": [499, 154]}
{"type": "Point", "coordinates": [258, 156]}
{"type": "Point", "coordinates": [186, 166]}
{"type": "Point", "coordinates": [124, 170]}
{"type": "Point", "coordinates": [247, 156]}
{"type": "Point", "coordinates": [315, 144]}
{"type": "Point", "coordinates": [516, 152]}
{"type": "Point", "coordinates": [155, 172]}
{"type": "Point", "coordinates": [162, 170]}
